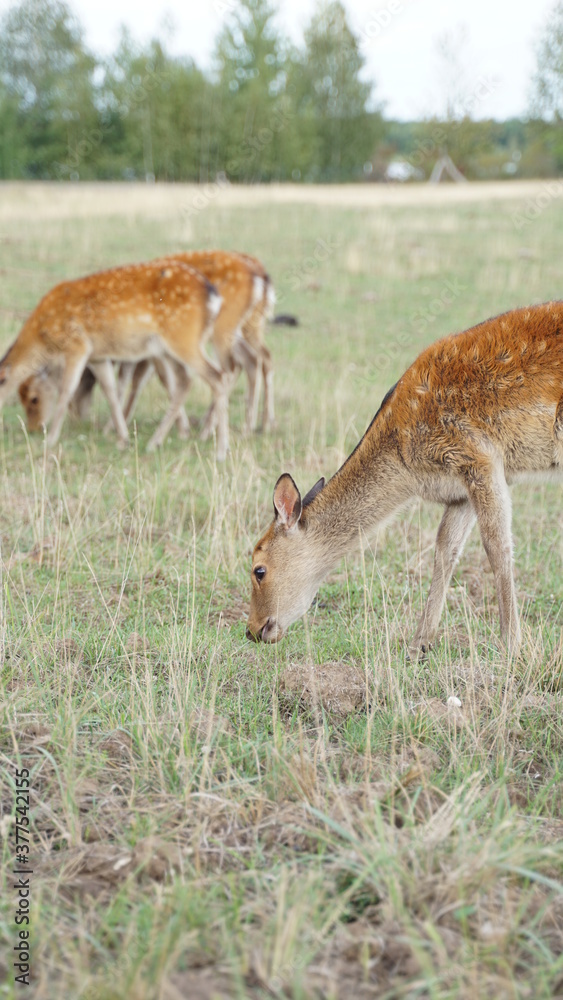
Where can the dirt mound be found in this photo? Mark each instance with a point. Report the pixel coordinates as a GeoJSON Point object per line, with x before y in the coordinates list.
{"type": "Point", "coordinates": [339, 688]}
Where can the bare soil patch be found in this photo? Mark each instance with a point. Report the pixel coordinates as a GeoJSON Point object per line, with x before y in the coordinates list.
{"type": "Point", "coordinates": [339, 688]}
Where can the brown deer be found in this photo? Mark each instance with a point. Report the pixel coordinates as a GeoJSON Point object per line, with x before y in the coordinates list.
{"type": "Point", "coordinates": [237, 337]}
{"type": "Point", "coordinates": [164, 310]}
{"type": "Point", "coordinates": [38, 393]}
{"type": "Point", "coordinates": [476, 412]}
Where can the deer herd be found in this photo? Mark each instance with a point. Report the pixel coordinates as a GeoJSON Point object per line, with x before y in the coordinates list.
{"type": "Point", "coordinates": [475, 412]}
{"type": "Point", "coordinates": [157, 315]}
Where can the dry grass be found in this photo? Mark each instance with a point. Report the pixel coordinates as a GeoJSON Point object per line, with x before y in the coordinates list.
{"type": "Point", "coordinates": [211, 819]}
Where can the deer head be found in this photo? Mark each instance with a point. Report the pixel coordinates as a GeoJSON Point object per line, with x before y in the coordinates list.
{"type": "Point", "coordinates": [38, 395]}
{"type": "Point", "coordinates": [286, 568]}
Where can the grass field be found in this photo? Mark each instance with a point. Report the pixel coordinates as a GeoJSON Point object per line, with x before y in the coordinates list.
{"type": "Point", "coordinates": [202, 825]}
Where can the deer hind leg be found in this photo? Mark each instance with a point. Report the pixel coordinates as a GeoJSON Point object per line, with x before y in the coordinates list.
{"type": "Point", "coordinates": [453, 532]}
{"type": "Point", "coordinates": [246, 357]}
{"type": "Point", "coordinates": [103, 370]}
{"type": "Point", "coordinates": [491, 501]}
{"type": "Point", "coordinates": [166, 376]}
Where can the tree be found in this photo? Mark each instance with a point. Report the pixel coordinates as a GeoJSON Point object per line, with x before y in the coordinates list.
{"type": "Point", "coordinates": [547, 94]}
{"type": "Point", "coordinates": [46, 78]}
{"type": "Point", "coordinates": [338, 133]}
{"type": "Point", "coordinates": [154, 112]}
{"type": "Point", "coordinates": [454, 136]}
{"type": "Point", "coordinates": [253, 111]}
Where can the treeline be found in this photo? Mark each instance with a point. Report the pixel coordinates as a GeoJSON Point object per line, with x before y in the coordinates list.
{"type": "Point", "coordinates": [482, 150]}
{"type": "Point", "coordinates": [268, 110]}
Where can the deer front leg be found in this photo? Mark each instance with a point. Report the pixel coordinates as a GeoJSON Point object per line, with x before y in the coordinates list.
{"type": "Point", "coordinates": [246, 357]}
{"type": "Point", "coordinates": [141, 373]}
{"type": "Point", "coordinates": [166, 375]}
{"type": "Point", "coordinates": [124, 375]}
{"type": "Point", "coordinates": [490, 498]}
{"type": "Point", "coordinates": [75, 363]}
{"type": "Point", "coordinates": [210, 419]}
{"type": "Point", "coordinates": [103, 370]}
{"type": "Point", "coordinates": [219, 384]}
{"type": "Point", "coordinates": [453, 532]}
{"type": "Point", "coordinates": [181, 386]}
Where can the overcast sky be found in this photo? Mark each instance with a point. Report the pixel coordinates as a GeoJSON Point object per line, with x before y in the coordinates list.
{"type": "Point", "coordinates": [398, 41]}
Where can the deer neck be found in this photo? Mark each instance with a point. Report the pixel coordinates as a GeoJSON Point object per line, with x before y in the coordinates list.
{"type": "Point", "coordinates": [373, 484]}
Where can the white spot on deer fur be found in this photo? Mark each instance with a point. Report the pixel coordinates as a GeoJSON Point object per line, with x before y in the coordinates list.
{"type": "Point", "coordinates": [454, 702]}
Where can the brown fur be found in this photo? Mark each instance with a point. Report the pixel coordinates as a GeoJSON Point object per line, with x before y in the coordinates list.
{"type": "Point", "coordinates": [475, 412]}
{"type": "Point", "coordinates": [164, 310]}
{"type": "Point", "coordinates": [237, 337]}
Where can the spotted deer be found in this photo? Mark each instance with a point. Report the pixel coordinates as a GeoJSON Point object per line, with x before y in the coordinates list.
{"type": "Point", "coordinates": [164, 310]}
{"type": "Point", "coordinates": [238, 334]}
{"type": "Point", "coordinates": [477, 411]}
{"type": "Point", "coordinates": [237, 337]}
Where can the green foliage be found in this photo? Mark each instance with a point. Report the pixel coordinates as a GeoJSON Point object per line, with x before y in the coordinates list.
{"type": "Point", "coordinates": [48, 93]}
{"type": "Point", "coordinates": [338, 134]}
{"type": "Point", "coordinates": [154, 110]}
{"type": "Point", "coordinates": [253, 107]}
{"type": "Point", "coordinates": [268, 111]}
{"type": "Point", "coordinates": [548, 80]}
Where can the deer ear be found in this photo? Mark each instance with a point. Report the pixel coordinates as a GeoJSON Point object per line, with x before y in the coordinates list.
{"type": "Point", "coordinates": [313, 491]}
{"type": "Point", "coordinates": [287, 502]}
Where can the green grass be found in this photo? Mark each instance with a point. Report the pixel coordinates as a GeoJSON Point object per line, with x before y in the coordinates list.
{"type": "Point", "coordinates": [196, 831]}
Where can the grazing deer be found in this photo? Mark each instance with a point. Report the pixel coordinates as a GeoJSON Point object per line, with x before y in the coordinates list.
{"type": "Point", "coordinates": [241, 290]}
{"type": "Point", "coordinates": [238, 335]}
{"type": "Point", "coordinates": [38, 393]}
{"type": "Point", "coordinates": [475, 412]}
{"type": "Point", "coordinates": [238, 340]}
{"type": "Point", "coordinates": [164, 310]}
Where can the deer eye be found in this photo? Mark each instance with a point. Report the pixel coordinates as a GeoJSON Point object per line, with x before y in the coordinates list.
{"type": "Point", "coordinates": [34, 401]}
{"type": "Point", "coordinates": [260, 573]}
